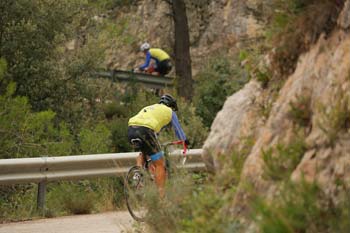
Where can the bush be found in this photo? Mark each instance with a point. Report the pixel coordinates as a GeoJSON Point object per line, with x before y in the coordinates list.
{"type": "Point", "coordinates": [86, 196]}
{"type": "Point", "coordinates": [30, 134]}
{"type": "Point", "coordinates": [295, 26]}
{"type": "Point", "coordinates": [17, 202]}
{"type": "Point", "coordinates": [214, 84]}
{"type": "Point", "coordinates": [281, 161]}
{"type": "Point", "coordinates": [335, 117]}
{"type": "Point", "coordinates": [119, 129]}
{"type": "Point", "coordinates": [94, 141]}
{"type": "Point", "coordinates": [191, 205]}
{"type": "Point", "coordinates": [300, 111]}
{"type": "Point", "coordinates": [300, 207]}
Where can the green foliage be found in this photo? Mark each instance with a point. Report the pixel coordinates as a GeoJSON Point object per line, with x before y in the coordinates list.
{"type": "Point", "coordinates": [27, 134]}
{"type": "Point", "coordinates": [110, 4]}
{"type": "Point", "coordinates": [3, 68]}
{"type": "Point", "coordinates": [17, 202]}
{"type": "Point", "coordinates": [203, 213]}
{"type": "Point", "coordinates": [342, 214]}
{"type": "Point", "coordinates": [86, 196]}
{"type": "Point", "coordinates": [119, 129]}
{"type": "Point", "coordinates": [30, 32]}
{"type": "Point", "coordinates": [231, 166]}
{"type": "Point", "coordinates": [95, 140]}
{"type": "Point", "coordinates": [115, 109]}
{"type": "Point", "coordinates": [281, 161]}
{"type": "Point", "coordinates": [214, 84]}
{"type": "Point", "coordinates": [190, 205]}
{"type": "Point", "coordinates": [300, 207]}
{"type": "Point", "coordinates": [335, 118]}
{"type": "Point", "coordinates": [76, 198]}
{"type": "Point", "coordinates": [300, 111]}
{"type": "Point", "coordinates": [252, 58]}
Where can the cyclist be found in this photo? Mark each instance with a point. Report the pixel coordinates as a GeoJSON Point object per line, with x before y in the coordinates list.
{"type": "Point", "coordinates": [162, 60]}
{"type": "Point", "coordinates": [145, 125]}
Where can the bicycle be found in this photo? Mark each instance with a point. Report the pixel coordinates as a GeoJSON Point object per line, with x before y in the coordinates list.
{"type": "Point", "coordinates": [140, 179]}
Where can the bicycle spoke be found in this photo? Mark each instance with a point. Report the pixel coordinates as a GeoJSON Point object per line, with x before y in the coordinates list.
{"type": "Point", "coordinates": [135, 192]}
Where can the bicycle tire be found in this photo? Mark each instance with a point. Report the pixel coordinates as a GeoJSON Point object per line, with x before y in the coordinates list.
{"type": "Point", "coordinates": [134, 186]}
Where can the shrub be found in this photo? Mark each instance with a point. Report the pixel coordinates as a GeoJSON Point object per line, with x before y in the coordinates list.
{"type": "Point", "coordinates": [230, 173]}
{"type": "Point", "coordinates": [295, 26]}
{"type": "Point", "coordinates": [335, 118]}
{"type": "Point", "coordinates": [189, 207]}
{"type": "Point", "coordinates": [300, 207]}
{"type": "Point", "coordinates": [85, 196]}
{"type": "Point", "coordinates": [17, 202]}
{"type": "Point", "coordinates": [96, 140]}
{"type": "Point", "coordinates": [252, 59]}
{"type": "Point", "coordinates": [30, 134]}
{"type": "Point", "coordinates": [300, 111]}
{"type": "Point", "coordinates": [71, 198]}
{"type": "Point", "coordinates": [119, 129]}
{"type": "Point", "coordinates": [214, 84]}
{"type": "Point", "coordinates": [281, 161]}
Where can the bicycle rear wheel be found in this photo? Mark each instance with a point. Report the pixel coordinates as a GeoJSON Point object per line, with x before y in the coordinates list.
{"type": "Point", "coordinates": [135, 187]}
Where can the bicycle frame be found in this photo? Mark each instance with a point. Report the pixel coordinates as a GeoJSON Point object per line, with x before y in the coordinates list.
{"type": "Point", "coordinates": [178, 142]}
{"type": "Point", "coordinates": [141, 175]}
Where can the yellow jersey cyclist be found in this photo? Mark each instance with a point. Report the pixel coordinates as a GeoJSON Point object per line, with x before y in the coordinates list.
{"type": "Point", "coordinates": [145, 125]}
{"type": "Point", "coordinates": [162, 60]}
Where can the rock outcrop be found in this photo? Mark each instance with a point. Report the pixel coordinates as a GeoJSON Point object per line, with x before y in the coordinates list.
{"type": "Point", "coordinates": [322, 80]}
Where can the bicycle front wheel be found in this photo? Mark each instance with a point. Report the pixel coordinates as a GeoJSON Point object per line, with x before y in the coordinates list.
{"type": "Point", "coordinates": [135, 192]}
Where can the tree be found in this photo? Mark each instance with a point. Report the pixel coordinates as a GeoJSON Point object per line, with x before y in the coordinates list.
{"type": "Point", "coordinates": [32, 39]}
{"type": "Point", "coordinates": [182, 50]}
{"type": "Point", "coordinates": [24, 133]}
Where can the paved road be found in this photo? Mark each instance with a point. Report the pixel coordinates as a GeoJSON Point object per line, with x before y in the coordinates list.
{"type": "Point", "coordinates": [112, 222]}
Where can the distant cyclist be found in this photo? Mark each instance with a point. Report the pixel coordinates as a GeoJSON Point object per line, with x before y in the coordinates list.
{"type": "Point", "coordinates": [145, 125]}
{"type": "Point", "coordinates": [162, 60]}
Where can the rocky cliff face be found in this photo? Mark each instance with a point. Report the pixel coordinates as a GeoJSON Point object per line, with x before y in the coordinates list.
{"type": "Point", "coordinates": [319, 89]}
{"type": "Point", "coordinates": [215, 25]}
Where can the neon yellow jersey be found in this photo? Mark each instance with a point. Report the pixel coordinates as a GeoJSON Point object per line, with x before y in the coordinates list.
{"type": "Point", "coordinates": [155, 117]}
{"type": "Point", "coordinates": [159, 54]}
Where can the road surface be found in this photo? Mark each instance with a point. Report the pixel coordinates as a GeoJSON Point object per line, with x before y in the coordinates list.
{"type": "Point", "coordinates": [111, 222]}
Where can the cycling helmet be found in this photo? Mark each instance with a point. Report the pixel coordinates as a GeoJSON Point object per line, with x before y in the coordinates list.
{"type": "Point", "coordinates": [144, 46]}
{"type": "Point", "coordinates": [169, 101]}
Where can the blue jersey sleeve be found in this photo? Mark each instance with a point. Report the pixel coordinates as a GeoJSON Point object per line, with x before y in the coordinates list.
{"type": "Point", "coordinates": [148, 60]}
{"type": "Point", "coordinates": [177, 127]}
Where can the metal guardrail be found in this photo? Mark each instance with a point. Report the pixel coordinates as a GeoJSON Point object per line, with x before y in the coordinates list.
{"type": "Point", "coordinates": [24, 170]}
{"type": "Point", "coordinates": [149, 80]}
{"type": "Point", "coordinates": [45, 169]}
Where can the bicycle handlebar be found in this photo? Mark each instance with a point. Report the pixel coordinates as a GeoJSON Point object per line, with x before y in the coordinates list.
{"type": "Point", "coordinates": [178, 142]}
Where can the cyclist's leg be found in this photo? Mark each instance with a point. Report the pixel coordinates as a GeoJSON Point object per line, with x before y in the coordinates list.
{"type": "Point", "coordinates": [140, 160]}
{"type": "Point", "coordinates": [158, 162]}
{"type": "Point", "coordinates": [160, 175]}
{"type": "Point", "coordinates": [164, 67]}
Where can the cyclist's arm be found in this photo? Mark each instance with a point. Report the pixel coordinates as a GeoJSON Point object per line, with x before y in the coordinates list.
{"type": "Point", "coordinates": [148, 60]}
{"type": "Point", "coordinates": [177, 127]}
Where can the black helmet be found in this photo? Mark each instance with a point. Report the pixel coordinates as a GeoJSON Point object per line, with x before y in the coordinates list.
{"type": "Point", "coordinates": [169, 101]}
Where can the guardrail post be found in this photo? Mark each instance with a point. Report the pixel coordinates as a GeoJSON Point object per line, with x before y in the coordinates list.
{"type": "Point", "coordinates": [41, 197]}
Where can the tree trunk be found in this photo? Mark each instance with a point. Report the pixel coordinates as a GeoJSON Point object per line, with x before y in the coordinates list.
{"type": "Point", "coordinates": [182, 50]}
